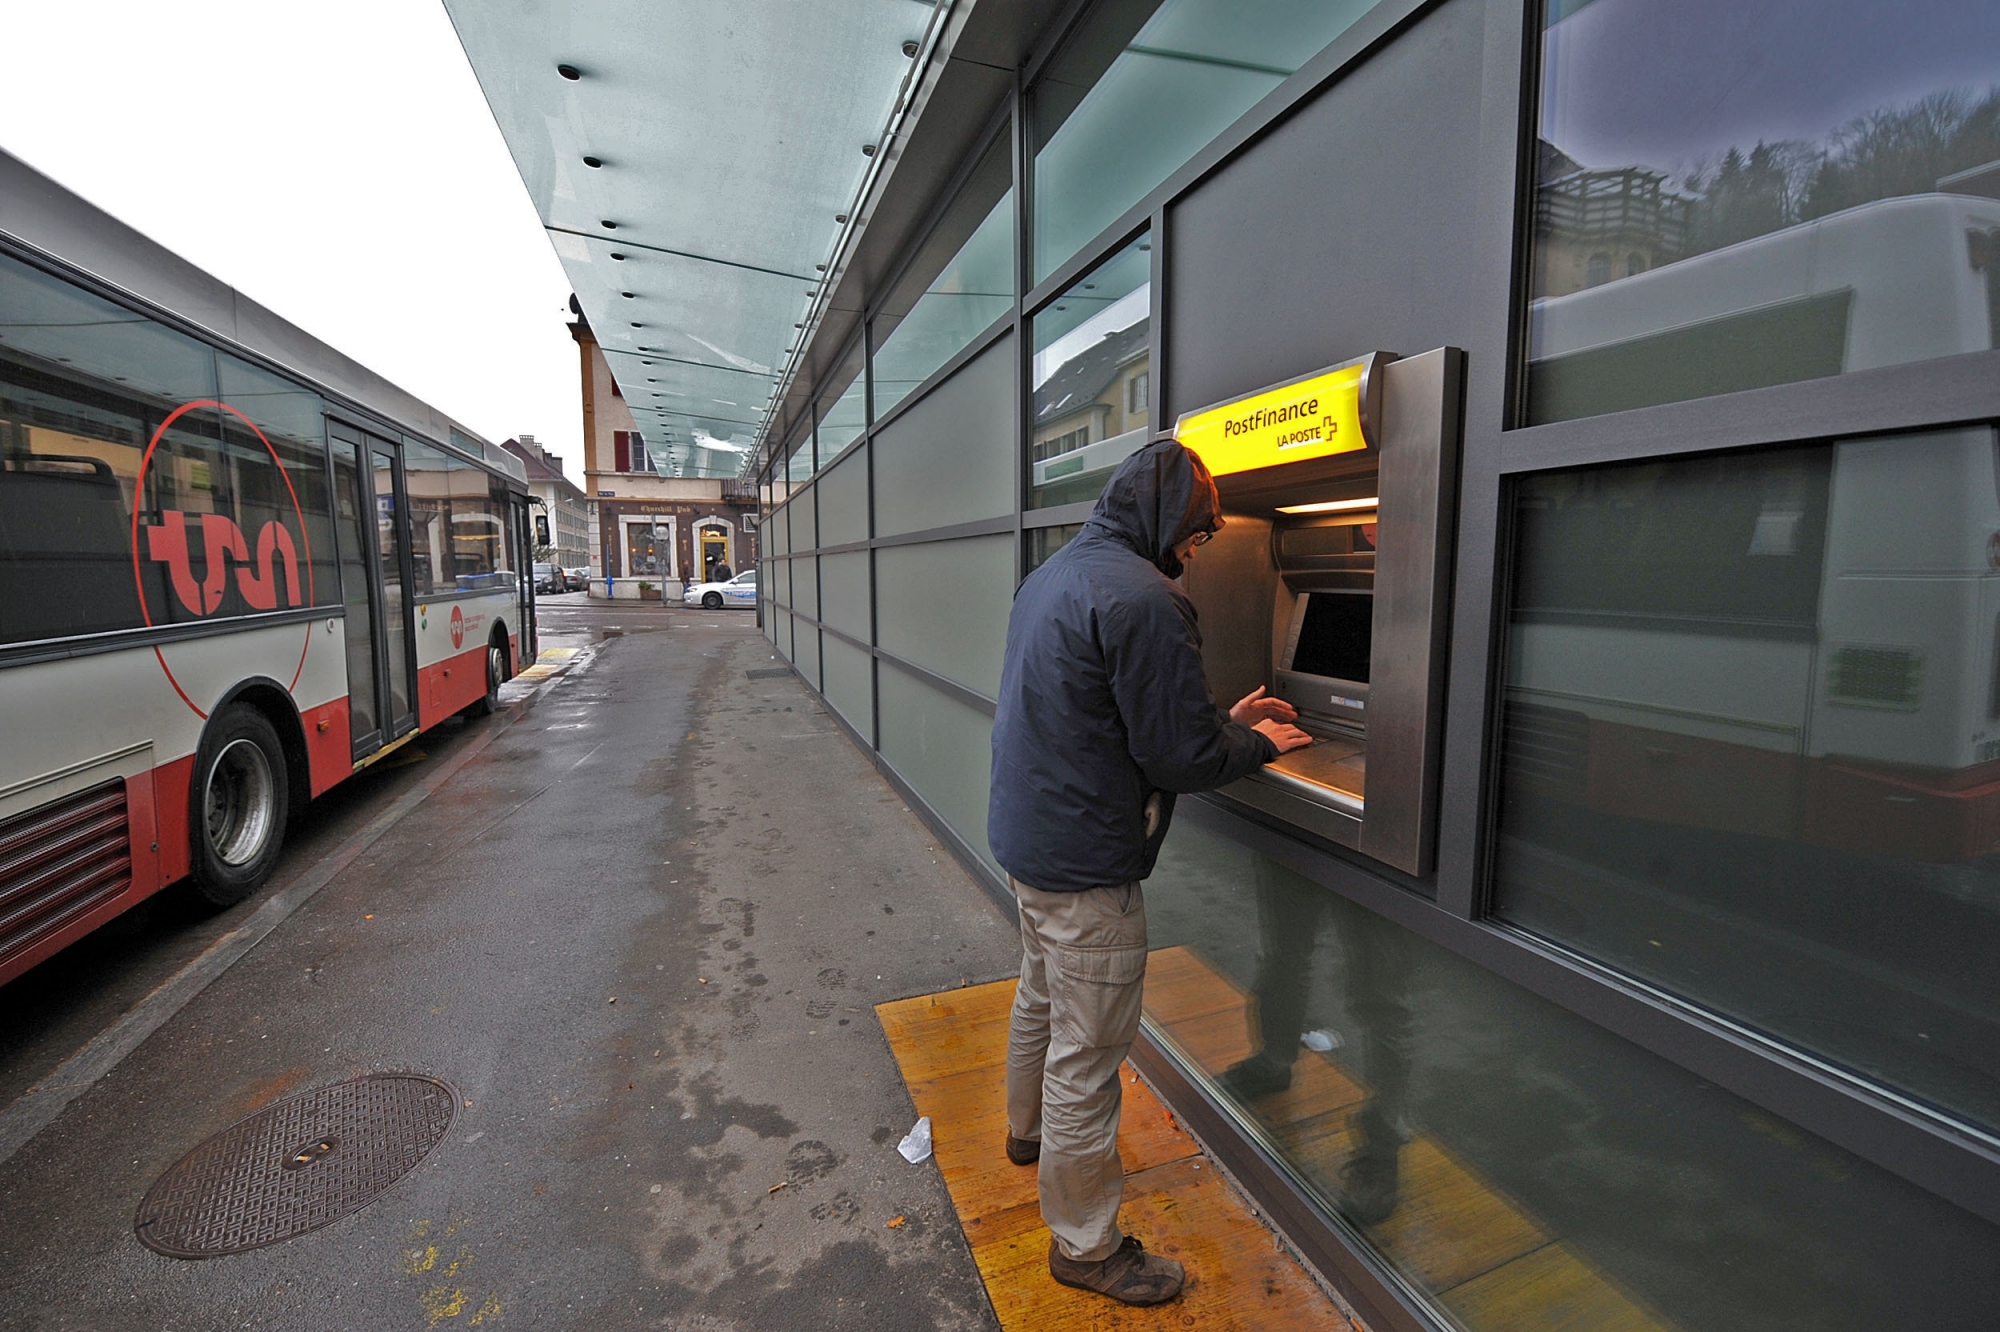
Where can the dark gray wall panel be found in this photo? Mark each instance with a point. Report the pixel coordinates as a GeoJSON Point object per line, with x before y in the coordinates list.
{"type": "Point", "coordinates": [1347, 229]}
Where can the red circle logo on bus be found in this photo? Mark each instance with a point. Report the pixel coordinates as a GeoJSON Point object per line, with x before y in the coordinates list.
{"type": "Point", "coordinates": [258, 580]}
{"type": "Point", "coordinates": [457, 627]}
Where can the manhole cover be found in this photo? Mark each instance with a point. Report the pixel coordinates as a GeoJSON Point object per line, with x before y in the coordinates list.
{"type": "Point", "coordinates": [295, 1166]}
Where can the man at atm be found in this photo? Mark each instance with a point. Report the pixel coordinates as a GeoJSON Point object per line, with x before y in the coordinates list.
{"type": "Point", "coordinates": [1104, 716]}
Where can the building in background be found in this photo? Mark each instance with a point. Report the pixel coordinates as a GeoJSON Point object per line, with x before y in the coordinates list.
{"type": "Point", "coordinates": [649, 530]}
{"type": "Point", "coordinates": [568, 508]}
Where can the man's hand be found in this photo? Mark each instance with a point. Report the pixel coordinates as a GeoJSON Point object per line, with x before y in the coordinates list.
{"type": "Point", "coordinates": [1282, 734]}
{"type": "Point", "coordinates": [1256, 707]}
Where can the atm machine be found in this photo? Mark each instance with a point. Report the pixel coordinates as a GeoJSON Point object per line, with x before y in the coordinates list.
{"type": "Point", "coordinates": [1328, 585]}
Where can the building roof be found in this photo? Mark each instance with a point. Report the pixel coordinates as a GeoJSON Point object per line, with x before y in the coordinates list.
{"type": "Point", "coordinates": [536, 459]}
{"type": "Point", "coordinates": [1084, 377]}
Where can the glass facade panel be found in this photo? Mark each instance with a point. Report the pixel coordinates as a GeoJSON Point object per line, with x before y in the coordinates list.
{"type": "Point", "coordinates": [942, 748]}
{"type": "Point", "coordinates": [969, 283]}
{"type": "Point", "coordinates": [843, 418]}
{"type": "Point", "coordinates": [805, 649]}
{"type": "Point", "coordinates": [843, 501]}
{"type": "Point", "coordinates": [843, 586]}
{"type": "Point", "coordinates": [805, 584]}
{"type": "Point", "coordinates": [944, 606]}
{"type": "Point", "coordinates": [799, 462]}
{"type": "Point", "coordinates": [291, 418]}
{"type": "Point", "coordinates": [804, 521]}
{"type": "Point", "coordinates": [1093, 354]}
{"type": "Point", "coordinates": [1143, 87]}
{"type": "Point", "coordinates": [1734, 197]}
{"type": "Point", "coordinates": [848, 673]}
{"type": "Point", "coordinates": [1046, 541]}
{"type": "Point", "coordinates": [1521, 1166]}
{"type": "Point", "coordinates": [951, 458]}
{"type": "Point", "coordinates": [781, 586]}
{"type": "Point", "coordinates": [1751, 745]}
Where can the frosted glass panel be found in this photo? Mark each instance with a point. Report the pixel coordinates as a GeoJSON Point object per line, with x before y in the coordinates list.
{"type": "Point", "coordinates": [950, 458]}
{"type": "Point", "coordinates": [805, 585]}
{"type": "Point", "coordinates": [848, 686]}
{"type": "Point", "coordinates": [805, 525]}
{"type": "Point", "coordinates": [944, 606]}
{"type": "Point", "coordinates": [843, 501]}
{"type": "Point", "coordinates": [805, 651]}
{"type": "Point", "coordinates": [942, 748]}
{"type": "Point", "coordinates": [781, 583]}
{"type": "Point", "coordinates": [784, 635]}
{"type": "Point", "coordinates": [843, 586]}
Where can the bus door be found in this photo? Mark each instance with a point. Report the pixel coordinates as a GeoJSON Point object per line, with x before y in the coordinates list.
{"type": "Point", "coordinates": [375, 583]}
{"type": "Point", "coordinates": [521, 531]}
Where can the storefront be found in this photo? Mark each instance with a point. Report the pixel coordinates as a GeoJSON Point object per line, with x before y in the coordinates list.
{"type": "Point", "coordinates": [1632, 956]}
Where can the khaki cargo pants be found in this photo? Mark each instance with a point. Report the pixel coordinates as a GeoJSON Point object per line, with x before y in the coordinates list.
{"type": "Point", "coordinates": [1083, 964]}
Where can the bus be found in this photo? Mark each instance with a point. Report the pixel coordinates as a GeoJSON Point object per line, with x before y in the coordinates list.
{"type": "Point", "coordinates": [236, 568]}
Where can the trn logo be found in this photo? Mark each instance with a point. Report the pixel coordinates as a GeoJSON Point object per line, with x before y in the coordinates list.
{"type": "Point", "coordinates": [223, 543]}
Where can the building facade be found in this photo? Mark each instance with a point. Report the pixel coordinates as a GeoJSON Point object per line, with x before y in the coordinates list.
{"type": "Point", "coordinates": [649, 532]}
{"type": "Point", "coordinates": [568, 509]}
{"type": "Point", "coordinates": [1674, 1001]}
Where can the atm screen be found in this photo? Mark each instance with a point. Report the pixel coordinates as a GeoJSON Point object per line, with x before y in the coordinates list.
{"type": "Point", "coordinates": [1334, 636]}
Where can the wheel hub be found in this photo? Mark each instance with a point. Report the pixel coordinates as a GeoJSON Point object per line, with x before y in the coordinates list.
{"type": "Point", "coordinates": [239, 802]}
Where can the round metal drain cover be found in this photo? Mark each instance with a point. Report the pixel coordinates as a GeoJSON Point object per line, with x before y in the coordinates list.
{"type": "Point", "coordinates": [296, 1165]}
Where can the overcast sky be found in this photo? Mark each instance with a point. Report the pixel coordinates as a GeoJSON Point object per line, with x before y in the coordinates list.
{"type": "Point", "coordinates": [336, 163]}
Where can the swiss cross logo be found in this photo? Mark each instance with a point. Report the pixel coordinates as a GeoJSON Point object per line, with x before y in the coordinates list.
{"type": "Point", "coordinates": [457, 627]}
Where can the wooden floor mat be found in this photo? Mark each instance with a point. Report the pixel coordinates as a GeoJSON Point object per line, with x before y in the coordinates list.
{"type": "Point", "coordinates": [953, 1051]}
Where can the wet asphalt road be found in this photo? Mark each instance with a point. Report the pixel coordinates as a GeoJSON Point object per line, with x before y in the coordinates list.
{"type": "Point", "coordinates": [642, 933]}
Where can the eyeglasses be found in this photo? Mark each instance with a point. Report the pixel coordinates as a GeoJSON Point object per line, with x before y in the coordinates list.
{"type": "Point", "coordinates": [1202, 538]}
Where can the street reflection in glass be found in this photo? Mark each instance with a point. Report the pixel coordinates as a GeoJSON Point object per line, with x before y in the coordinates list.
{"type": "Point", "coordinates": [1731, 196]}
{"type": "Point", "coordinates": [1752, 751]}
{"type": "Point", "coordinates": [1092, 383]}
{"type": "Point", "coordinates": [1519, 1166]}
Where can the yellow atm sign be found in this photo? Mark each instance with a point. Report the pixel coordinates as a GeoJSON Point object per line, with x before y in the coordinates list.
{"type": "Point", "coordinates": [1313, 417]}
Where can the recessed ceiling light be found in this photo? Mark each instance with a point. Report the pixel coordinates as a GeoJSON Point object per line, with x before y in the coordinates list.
{"type": "Point", "coordinates": [868, 150]}
{"type": "Point", "coordinates": [638, 325]}
{"type": "Point", "coordinates": [608, 226]}
{"type": "Point", "coordinates": [629, 295]}
{"type": "Point", "coordinates": [593, 162]}
{"type": "Point", "coordinates": [819, 268]}
{"type": "Point", "coordinates": [910, 50]}
{"type": "Point", "coordinates": [840, 217]}
{"type": "Point", "coordinates": [570, 72]}
{"type": "Point", "coordinates": [619, 257]}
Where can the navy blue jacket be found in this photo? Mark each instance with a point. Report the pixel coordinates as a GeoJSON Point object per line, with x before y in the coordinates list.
{"type": "Point", "coordinates": [1104, 710]}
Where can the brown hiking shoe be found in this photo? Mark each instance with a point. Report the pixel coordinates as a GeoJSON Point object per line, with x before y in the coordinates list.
{"type": "Point", "coordinates": [1130, 1276]}
{"type": "Point", "coordinates": [1023, 1151]}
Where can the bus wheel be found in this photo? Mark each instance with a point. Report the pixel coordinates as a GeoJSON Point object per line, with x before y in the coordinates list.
{"type": "Point", "coordinates": [496, 675]}
{"type": "Point", "coordinates": [711, 600]}
{"type": "Point", "coordinates": [237, 805]}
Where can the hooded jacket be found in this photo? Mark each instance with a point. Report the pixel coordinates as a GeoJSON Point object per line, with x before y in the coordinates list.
{"type": "Point", "coordinates": [1104, 711]}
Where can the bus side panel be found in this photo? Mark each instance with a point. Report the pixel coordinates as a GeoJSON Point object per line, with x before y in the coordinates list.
{"type": "Point", "coordinates": [171, 788]}
{"type": "Point", "coordinates": [329, 744]}
{"type": "Point", "coordinates": [451, 651]}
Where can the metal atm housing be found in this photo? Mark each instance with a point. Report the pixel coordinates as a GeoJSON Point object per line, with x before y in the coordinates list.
{"type": "Point", "coordinates": [1339, 608]}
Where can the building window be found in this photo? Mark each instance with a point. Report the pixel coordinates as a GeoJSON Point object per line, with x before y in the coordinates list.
{"type": "Point", "coordinates": [1057, 445]}
{"type": "Point", "coordinates": [1135, 394]}
{"type": "Point", "coordinates": [1827, 221]}
{"type": "Point", "coordinates": [1088, 342]}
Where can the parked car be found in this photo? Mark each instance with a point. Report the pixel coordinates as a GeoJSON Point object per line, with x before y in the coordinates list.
{"type": "Point", "coordinates": [548, 578]}
{"type": "Point", "coordinates": [578, 578]}
{"type": "Point", "coordinates": [738, 591]}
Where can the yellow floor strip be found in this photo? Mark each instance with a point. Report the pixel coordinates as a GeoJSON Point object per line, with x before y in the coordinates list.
{"type": "Point", "coordinates": [953, 1051]}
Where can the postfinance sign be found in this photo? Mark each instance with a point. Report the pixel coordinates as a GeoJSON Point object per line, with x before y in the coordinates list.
{"type": "Point", "coordinates": [1308, 418]}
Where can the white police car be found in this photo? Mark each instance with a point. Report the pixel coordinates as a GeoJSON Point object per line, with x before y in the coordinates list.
{"type": "Point", "coordinates": [738, 591]}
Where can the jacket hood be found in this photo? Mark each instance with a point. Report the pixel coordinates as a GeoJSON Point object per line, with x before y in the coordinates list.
{"type": "Point", "coordinates": [1158, 498]}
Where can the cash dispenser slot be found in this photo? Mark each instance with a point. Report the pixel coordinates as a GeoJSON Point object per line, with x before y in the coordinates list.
{"type": "Point", "coordinates": [1327, 586]}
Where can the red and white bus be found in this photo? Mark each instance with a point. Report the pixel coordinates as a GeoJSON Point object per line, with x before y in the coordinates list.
{"type": "Point", "coordinates": [235, 568]}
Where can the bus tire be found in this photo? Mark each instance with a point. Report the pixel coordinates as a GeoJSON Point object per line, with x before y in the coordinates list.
{"type": "Point", "coordinates": [497, 674]}
{"type": "Point", "coordinates": [711, 601]}
{"type": "Point", "coordinates": [237, 805]}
